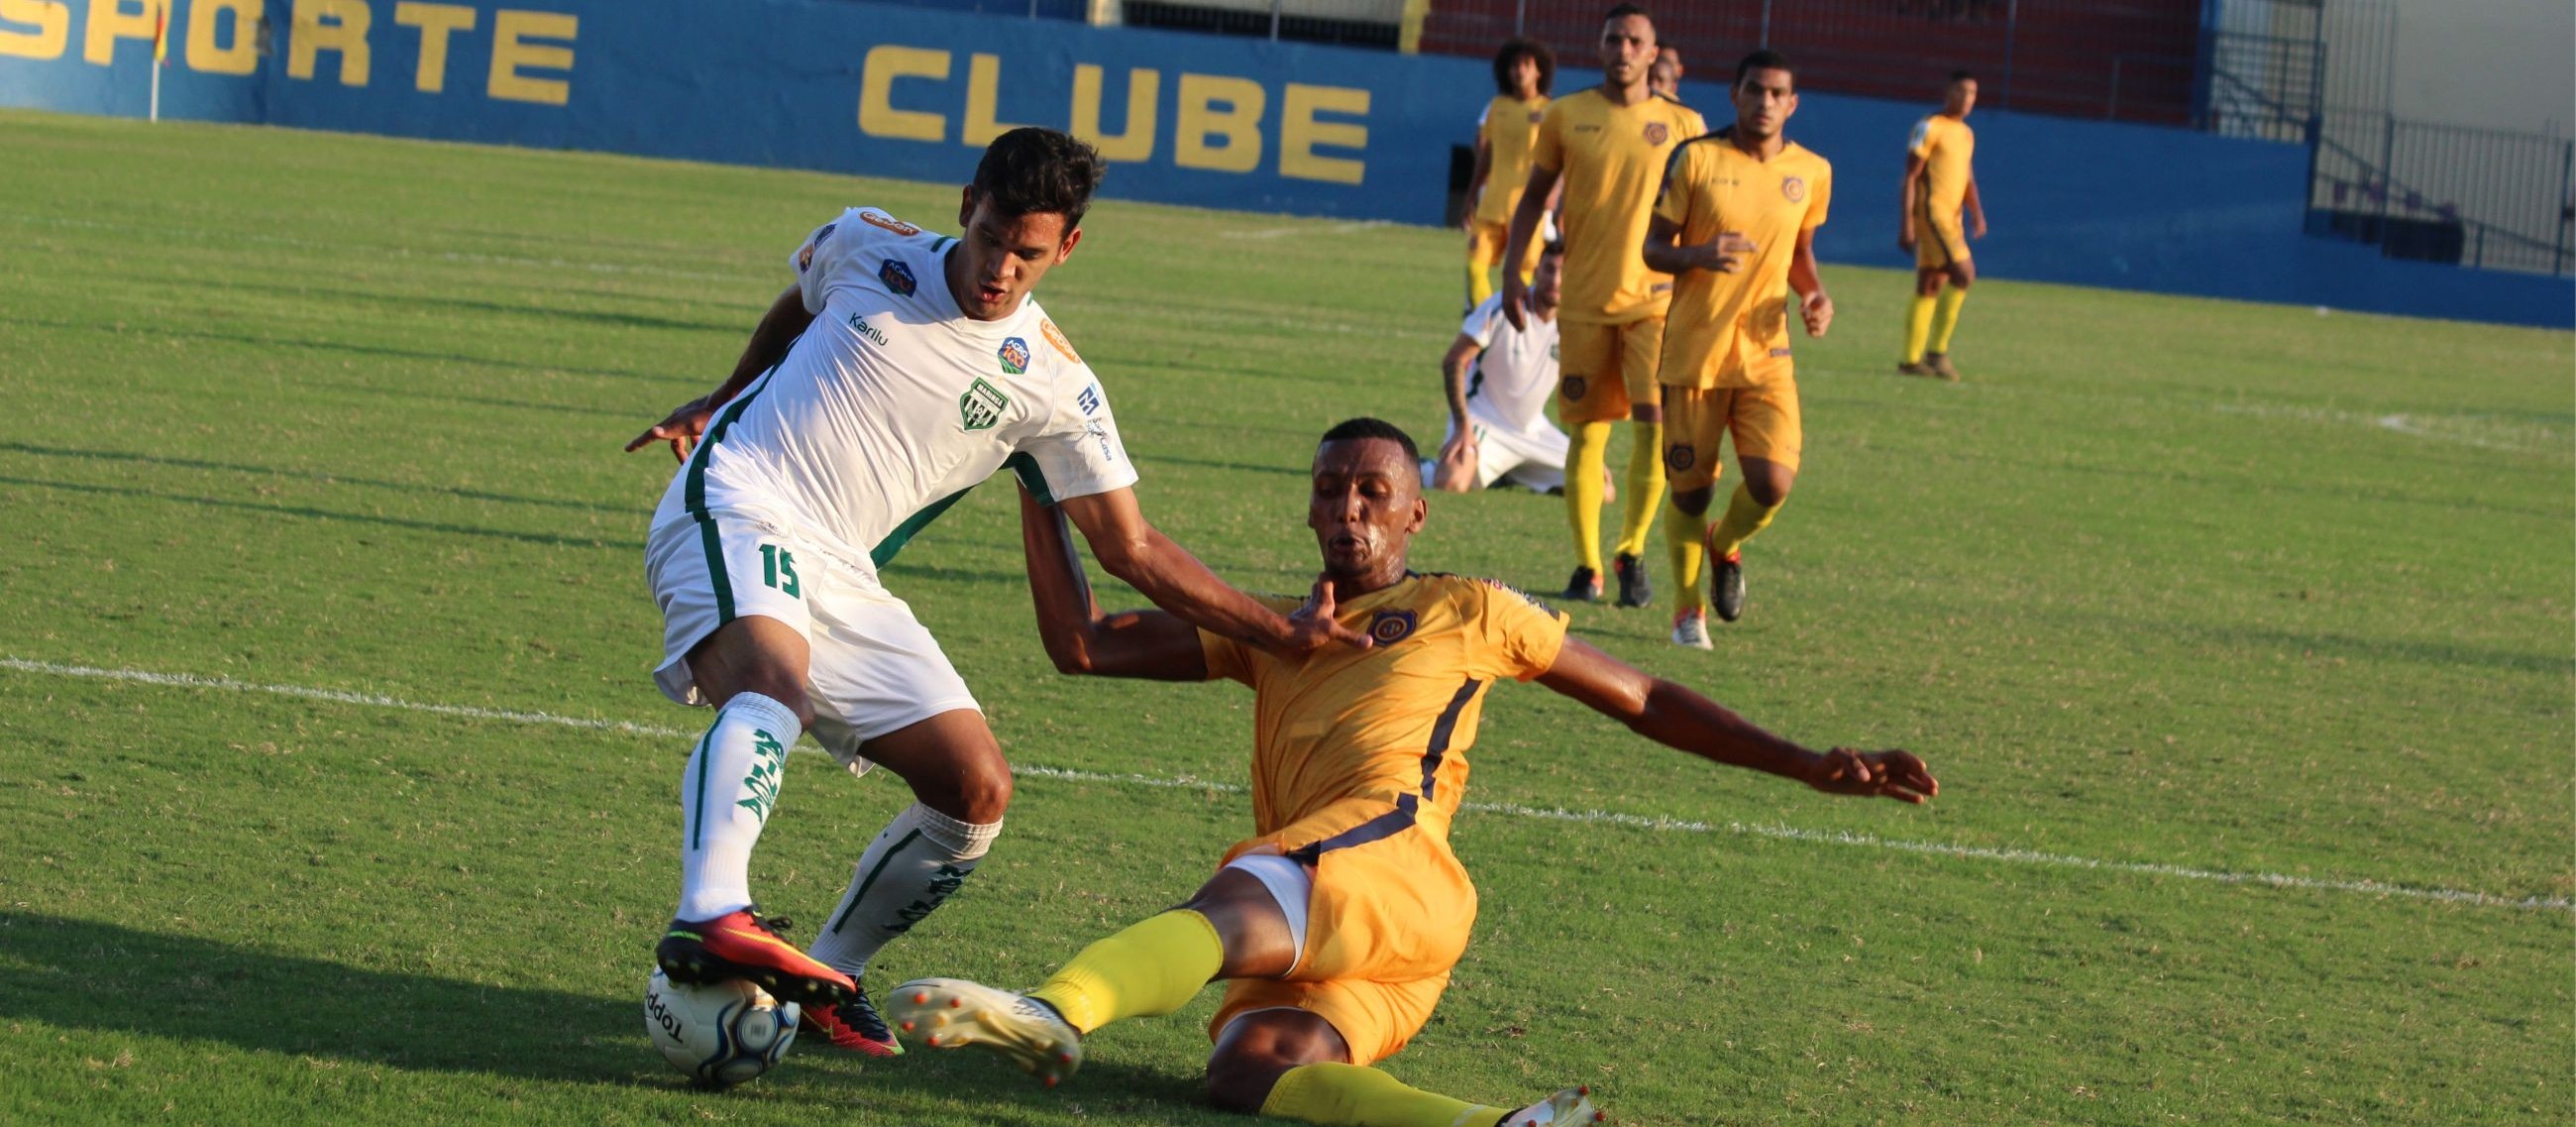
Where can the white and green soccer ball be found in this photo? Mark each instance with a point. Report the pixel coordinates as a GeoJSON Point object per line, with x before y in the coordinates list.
{"type": "Point", "coordinates": [720, 1035]}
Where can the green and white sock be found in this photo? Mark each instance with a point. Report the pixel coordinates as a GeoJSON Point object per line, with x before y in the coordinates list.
{"type": "Point", "coordinates": [906, 874]}
{"type": "Point", "coordinates": [726, 793]}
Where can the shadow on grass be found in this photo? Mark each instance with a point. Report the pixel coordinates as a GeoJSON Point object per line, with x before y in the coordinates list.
{"type": "Point", "coordinates": [622, 543]}
{"type": "Point", "coordinates": [323, 478]}
{"type": "Point", "coordinates": [375, 350]}
{"type": "Point", "coordinates": [77, 975]}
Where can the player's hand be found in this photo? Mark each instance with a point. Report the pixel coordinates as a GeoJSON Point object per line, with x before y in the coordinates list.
{"type": "Point", "coordinates": [1514, 292]}
{"type": "Point", "coordinates": [1313, 626]}
{"type": "Point", "coordinates": [1976, 226]}
{"type": "Point", "coordinates": [681, 428]}
{"type": "Point", "coordinates": [1455, 468]}
{"type": "Point", "coordinates": [1894, 774]}
{"type": "Point", "coordinates": [1818, 311]}
{"type": "Point", "coordinates": [1905, 238]}
{"type": "Point", "coordinates": [1725, 253]}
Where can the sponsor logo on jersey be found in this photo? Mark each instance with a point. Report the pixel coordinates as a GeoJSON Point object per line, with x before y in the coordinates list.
{"type": "Point", "coordinates": [1015, 355]}
{"type": "Point", "coordinates": [1587, 129]}
{"type": "Point", "coordinates": [1794, 188]}
{"type": "Point", "coordinates": [1100, 433]}
{"type": "Point", "coordinates": [1657, 133]}
{"type": "Point", "coordinates": [1055, 336]}
{"type": "Point", "coordinates": [981, 406]}
{"type": "Point", "coordinates": [1571, 388]}
{"type": "Point", "coordinates": [1660, 287]}
{"type": "Point", "coordinates": [1678, 456]}
{"type": "Point", "coordinates": [897, 277]}
{"type": "Point", "coordinates": [805, 258]}
{"type": "Point", "coordinates": [1778, 353]}
{"type": "Point", "coordinates": [1537, 116]}
{"type": "Point", "coordinates": [1089, 400]}
{"type": "Point", "coordinates": [890, 223]}
{"type": "Point", "coordinates": [826, 233]}
{"type": "Point", "coordinates": [867, 330]}
{"type": "Point", "coordinates": [1392, 626]}
{"type": "Point", "coordinates": [1533, 600]}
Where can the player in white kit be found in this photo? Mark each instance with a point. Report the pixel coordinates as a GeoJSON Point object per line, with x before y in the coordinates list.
{"type": "Point", "coordinates": [1498, 380]}
{"type": "Point", "coordinates": [902, 369]}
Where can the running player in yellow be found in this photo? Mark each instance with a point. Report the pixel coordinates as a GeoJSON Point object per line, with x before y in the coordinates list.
{"type": "Point", "coordinates": [1942, 212]}
{"type": "Point", "coordinates": [1607, 146]}
{"type": "Point", "coordinates": [1335, 926]}
{"type": "Point", "coordinates": [1524, 72]}
{"type": "Point", "coordinates": [1736, 223]}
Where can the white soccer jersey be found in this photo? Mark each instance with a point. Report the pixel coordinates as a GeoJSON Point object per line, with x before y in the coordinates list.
{"type": "Point", "coordinates": [894, 403]}
{"type": "Point", "coordinates": [1515, 375]}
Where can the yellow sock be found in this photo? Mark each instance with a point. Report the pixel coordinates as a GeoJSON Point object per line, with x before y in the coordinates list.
{"type": "Point", "coordinates": [1644, 487]}
{"type": "Point", "coordinates": [1685, 543]}
{"type": "Point", "coordinates": [1585, 454]}
{"type": "Point", "coordinates": [1352, 1096]}
{"type": "Point", "coordinates": [1918, 328]}
{"type": "Point", "coordinates": [1945, 317]}
{"type": "Point", "coordinates": [1479, 286]}
{"type": "Point", "coordinates": [1744, 517]}
{"type": "Point", "coordinates": [1151, 968]}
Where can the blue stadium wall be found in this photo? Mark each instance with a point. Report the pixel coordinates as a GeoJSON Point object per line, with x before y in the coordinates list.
{"type": "Point", "coordinates": [1217, 122]}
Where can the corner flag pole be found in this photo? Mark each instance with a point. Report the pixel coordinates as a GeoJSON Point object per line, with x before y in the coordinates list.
{"type": "Point", "coordinates": [160, 51]}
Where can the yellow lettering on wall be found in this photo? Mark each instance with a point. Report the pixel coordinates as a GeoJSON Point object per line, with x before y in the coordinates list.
{"type": "Point", "coordinates": [338, 26]}
{"type": "Point", "coordinates": [1136, 142]}
{"type": "Point", "coordinates": [1239, 123]}
{"type": "Point", "coordinates": [510, 52]}
{"type": "Point", "coordinates": [111, 20]}
{"type": "Point", "coordinates": [206, 20]}
{"type": "Point", "coordinates": [1300, 133]}
{"type": "Point", "coordinates": [983, 101]}
{"type": "Point", "coordinates": [436, 22]}
{"type": "Point", "coordinates": [52, 20]}
{"type": "Point", "coordinates": [877, 115]}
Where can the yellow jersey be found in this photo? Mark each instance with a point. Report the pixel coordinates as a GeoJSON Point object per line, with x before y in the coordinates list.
{"type": "Point", "coordinates": [1946, 145]}
{"type": "Point", "coordinates": [1509, 129]}
{"type": "Point", "coordinates": [1353, 746]}
{"type": "Point", "coordinates": [1609, 157]}
{"type": "Point", "coordinates": [1725, 327]}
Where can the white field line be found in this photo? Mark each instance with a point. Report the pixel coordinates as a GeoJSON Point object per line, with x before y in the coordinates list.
{"type": "Point", "coordinates": [1506, 809]}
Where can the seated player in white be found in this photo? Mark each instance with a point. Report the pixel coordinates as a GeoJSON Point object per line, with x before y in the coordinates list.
{"type": "Point", "coordinates": [900, 370]}
{"type": "Point", "coordinates": [1498, 380]}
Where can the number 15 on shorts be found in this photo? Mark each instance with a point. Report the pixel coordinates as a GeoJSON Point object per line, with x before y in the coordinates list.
{"type": "Point", "coordinates": [778, 569]}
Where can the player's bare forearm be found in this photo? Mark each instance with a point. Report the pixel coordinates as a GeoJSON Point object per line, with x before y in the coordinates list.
{"type": "Point", "coordinates": [1679, 718]}
{"type": "Point", "coordinates": [1659, 250]}
{"type": "Point", "coordinates": [1804, 280]}
{"type": "Point", "coordinates": [1453, 376]}
{"type": "Point", "coordinates": [1526, 220]}
{"type": "Point", "coordinates": [1176, 581]}
{"type": "Point", "coordinates": [1976, 205]}
{"type": "Point", "coordinates": [1078, 637]}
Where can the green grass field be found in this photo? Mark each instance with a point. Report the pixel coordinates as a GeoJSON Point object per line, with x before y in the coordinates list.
{"type": "Point", "coordinates": [2183, 588]}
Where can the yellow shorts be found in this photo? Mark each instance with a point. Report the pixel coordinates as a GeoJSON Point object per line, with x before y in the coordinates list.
{"type": "Point", "coordinates": [1938, 240]}
{"type": "Point", "coordinates": [1387, 921]}
{"type": "Point", "coordinates": [1486, 243]}
{"type": "Point", "coordinates": [1604, 368]}
{"type": "Point", "coordinates": [1763, 418]}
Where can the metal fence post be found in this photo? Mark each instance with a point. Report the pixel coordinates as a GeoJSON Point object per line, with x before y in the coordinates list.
{"type": "Point", "coordinates": [2566, 184]}
{"type": "Point", "coordinates": [1520, 18]}
{"type": "Point", "coordinates": [1275, 5]}
{"type": "Point", "coordinates": [1766, 25]}
{"type": "Point", "coordinates": [2012, 29]}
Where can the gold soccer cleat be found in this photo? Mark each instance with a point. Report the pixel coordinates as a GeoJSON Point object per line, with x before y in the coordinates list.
{"type": "Point", "coordinates": [952, 1013]}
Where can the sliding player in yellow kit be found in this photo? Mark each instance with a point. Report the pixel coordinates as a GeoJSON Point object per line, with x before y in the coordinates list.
{"type": "Point", "coordinates": [1524, 73]}
{"type": "Point", "coordinates": [1942, 212]}
{"type": "Point", "coordinates": [1736, 224]}
{"type": "Point", "coordinates": [1607, 146]}
{"type": "Point", "coordinates": [1335, 927]}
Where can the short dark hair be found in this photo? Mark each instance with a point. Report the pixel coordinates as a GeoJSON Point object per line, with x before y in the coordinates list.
{"type": "Point", "coordinates": [1511, 54]}
{"type": "Point", "coordinates": [1031, 170]}
{"type": "Point", "coordinates": [1765, 60]}
{"type": "Point", "coordinates": [1364, 427]}
{"type": "Point", "coordinates": [1959, 76]}
{"type": "Point", "coordinates": [1624, 11]}
{"type": "Point", "coordinates": [1554, 247]}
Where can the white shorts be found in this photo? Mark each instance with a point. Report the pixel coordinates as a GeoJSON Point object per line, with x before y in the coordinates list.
{"type": "Point", "coordinates": [873, 668]}
{"type": "Point", "coordinates": [1531, 459]}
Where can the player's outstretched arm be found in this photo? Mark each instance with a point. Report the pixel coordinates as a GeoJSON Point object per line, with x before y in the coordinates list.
{"type": "Point", "coordinates": [1677, 717]}
{"type": "Point", "coordinates": [1814, 305]}
{"type": "Point", "coordinates": [1535, 200]}
{"type": "Point", "coordinates": [1145, 643]}
{"type": "Point", "coordinates": [778, 328]}
{"type": "Point", "coordinates": [1137, 552]}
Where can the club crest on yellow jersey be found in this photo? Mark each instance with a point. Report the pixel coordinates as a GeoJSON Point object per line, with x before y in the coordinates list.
{"type": "Point", "coordinates": [1657, 133]}
{"type": "Point", "coordinates": [1794, 188]}
{"type": "Point", "coordinates": [1392, 626]}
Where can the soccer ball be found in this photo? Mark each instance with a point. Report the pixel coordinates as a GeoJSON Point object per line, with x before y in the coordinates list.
{"type": "Point", "coordinates": [720, 1035]}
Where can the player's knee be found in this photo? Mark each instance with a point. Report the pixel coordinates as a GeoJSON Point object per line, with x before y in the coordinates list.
{"type": "Point", "coordinates": [979, 791]}
{"type": "Point", "coordinates": [1240, 1082]}
{"type": "Point", "coordinates": [1927, 284]}
{"type": "Point", "coordinates": [1963, 275]}
{"type": "Point", "coordinates": [1646, 413]}
{"type": "Point", "coordinates": [1694, 502]}
{"type": "Point", "coordinates": [1769, 485]}
{"type": "Point", "coordinates": [783, 688]}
